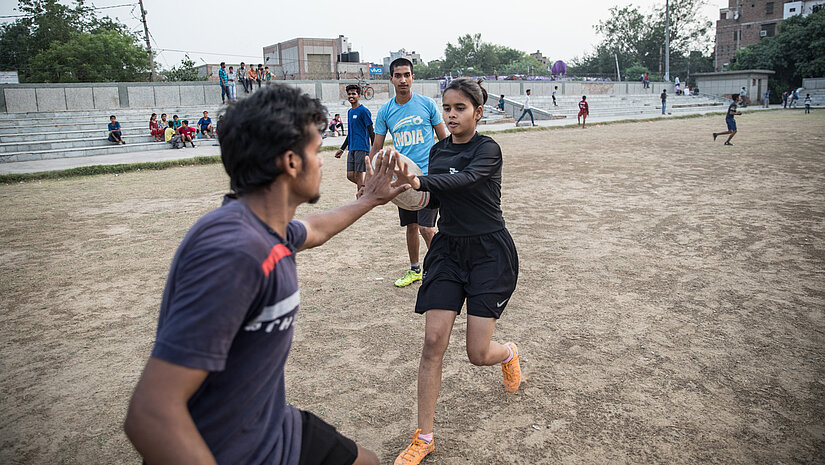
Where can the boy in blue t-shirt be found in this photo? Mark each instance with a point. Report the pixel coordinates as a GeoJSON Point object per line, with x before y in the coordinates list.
{"type": "Point", "coordinates": [411, 119]}
{"type": "Point", "coordinates": [205, 126]}
{"type": "Point", "coordinates": [359, 138]}
{"type": "Point", "coordinates": [115, 135]}
{"type": "Point", "coordinates": [729, 121]}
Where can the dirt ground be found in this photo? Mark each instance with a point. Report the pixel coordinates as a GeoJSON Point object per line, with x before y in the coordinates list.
{"type": "Point", "coordinates": [670, 307]}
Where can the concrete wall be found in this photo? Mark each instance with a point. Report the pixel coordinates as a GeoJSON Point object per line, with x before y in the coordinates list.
{"type": "Point", "coordinates": [31, 98]}
{"type": "Point", "coordinates": [726, 83]}
{"type": "Point", "coordinates": [545, 88]}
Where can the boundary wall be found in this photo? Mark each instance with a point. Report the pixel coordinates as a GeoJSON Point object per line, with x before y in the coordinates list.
{"type": "Point", "coordinates": [35, 98]}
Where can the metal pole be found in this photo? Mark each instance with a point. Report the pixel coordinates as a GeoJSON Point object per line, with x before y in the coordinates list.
{"type": "Point", "coordinates": [618, 75]}
{"type": "Point", "coordinates": [148, 44]}
{"type": "Point", "coordinates": [667, 41]}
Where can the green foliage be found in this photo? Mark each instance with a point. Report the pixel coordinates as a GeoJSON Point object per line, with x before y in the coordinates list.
{"type": "Point", "coordinates": [49, 24]}
{"type": "Point", "coordinates": [186, 71]}
{"type": "Point", "coordinates": [104, 56]}
{"type": "Point", "coordinates": [637, 39]}
{"type": "Point", "coordinates": [473, 57]}
{"type": "Point", "coordinates": [527, 65]}
{"type": "Point", "coordinates": [794, 53]}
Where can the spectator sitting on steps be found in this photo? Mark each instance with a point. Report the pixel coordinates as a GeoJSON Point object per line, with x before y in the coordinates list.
{"type": "Point", "coordinates": [172, 136]}
{"type": "Point", "coordinates": [335, 124]}
{"type": "Point", "coordinates": [114, 131]}
{"type": "Point", "coordinates": [205, 126]}
{"type": "Point", "coordinates": [186, 133]}
{"type": "Point", "coordinates": [154, 128]}
{"type": "Point", "coordinates": [176, 121]}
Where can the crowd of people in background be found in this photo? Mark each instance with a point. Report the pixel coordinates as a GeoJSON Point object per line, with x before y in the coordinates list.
{"type": "Point", "coordinates": [174, 131]}
{"type": "Point", "coordinates": [246, 77]}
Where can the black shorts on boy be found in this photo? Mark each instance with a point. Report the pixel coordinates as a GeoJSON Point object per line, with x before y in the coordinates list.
{"type": "Point", "coordinates": [322, 444]}
{"type": "Point", "coordinates": [355, 160]}
{"type": "Point", "coordinates": [425, 217]}
{"type": "Point", "coordinates": [482, 269]}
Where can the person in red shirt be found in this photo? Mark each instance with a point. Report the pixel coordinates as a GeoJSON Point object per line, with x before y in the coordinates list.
{"type": "Point", "coordinates": [187, 133]}
{"type": "Point", "coordinates": [584, 110]}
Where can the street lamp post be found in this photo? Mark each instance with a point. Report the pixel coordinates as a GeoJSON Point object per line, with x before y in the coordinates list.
{"type": "Point", "coordinates": [667, 41]}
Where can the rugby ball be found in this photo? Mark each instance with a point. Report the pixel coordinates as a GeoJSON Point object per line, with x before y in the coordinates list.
{"type": "Point", "coordinates": [410, 199]}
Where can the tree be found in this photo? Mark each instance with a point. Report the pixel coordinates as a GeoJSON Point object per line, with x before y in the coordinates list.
{"type": "Point", "coordinates": [186, 71]}
{"type": "Point", "coordinates": [794, 53]}
{"type": "Point", "coordinates": [637, 40]}
{"type": "Point", "coordinates": [104, 56]}
{"type": "Point", "coordinates": [46, 23]}
{"type": "Point", "coordinates": [472, 56]}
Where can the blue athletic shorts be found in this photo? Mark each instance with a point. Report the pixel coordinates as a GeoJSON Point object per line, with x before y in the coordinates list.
{"type": "Point", "coordinates": [731, 124]}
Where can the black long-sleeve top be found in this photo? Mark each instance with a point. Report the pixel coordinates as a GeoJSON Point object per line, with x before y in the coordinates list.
{"type": "Point", "coordinates": [464, 180]}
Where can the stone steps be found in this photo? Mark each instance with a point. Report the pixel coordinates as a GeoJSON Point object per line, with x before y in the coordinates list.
{"type": "Point", "coordinates": [89, 151]}
{"type": "Point", "coordinates": [69, 143]}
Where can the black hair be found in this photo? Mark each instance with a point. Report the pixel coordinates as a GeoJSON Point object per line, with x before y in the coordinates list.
{"type": "Point", "coordinates": [113, 116]}
{"type": "Point", "coordinates": [171, 124]}
{"type": "Point", "coordinates": [354, 87]}
{"type": "Point", "coordinates": [231, 67]}
{"type": "Point", "coordinates": [584, 97]}
{"type": "Point", "coordinates": [526, 91]}
{"type": "Point", "coordinates": [502, 95]}
{"type": "Point", "coordinates": [174, 116]}
{"type": "Point", "coordinates": [223, 63]}
{"type": "Point", "coordinates": [186, 122]}
{"type": "Point", "coordinates": [258, 130]}
{"type": "Point", "coordinates": [471, 89]}
{"type": "Point", "coordinates": [153, 114]}
{"type": "Point", "coordinates": [400, 62]}
{"type": "Point", "coordinates": [242, 63]}
{"type": "Point", "coordinates": [205, 111]}
{"type": "Point", "coordinates": [162, 115]}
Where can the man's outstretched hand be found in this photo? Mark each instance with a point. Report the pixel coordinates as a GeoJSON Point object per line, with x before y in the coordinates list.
{"type": "Point", "coordinates": [378, 187]}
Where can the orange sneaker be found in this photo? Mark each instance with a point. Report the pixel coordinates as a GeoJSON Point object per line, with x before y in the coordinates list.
{"type": "Point", "coordinates": [511, 370]}
{"type": "Point", "coordinates": [415, 452]}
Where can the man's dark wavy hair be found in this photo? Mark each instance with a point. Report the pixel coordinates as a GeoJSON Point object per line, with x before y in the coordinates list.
{"type": "Point", "coordinates": [261, 128]}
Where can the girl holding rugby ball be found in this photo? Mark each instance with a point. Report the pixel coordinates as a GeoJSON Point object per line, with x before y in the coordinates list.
{"type": "Point", "coordinates": [472, 257]}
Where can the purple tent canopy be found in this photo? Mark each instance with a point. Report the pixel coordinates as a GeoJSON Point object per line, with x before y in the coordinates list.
{"type": "Point", "coordinates": [559, 68]}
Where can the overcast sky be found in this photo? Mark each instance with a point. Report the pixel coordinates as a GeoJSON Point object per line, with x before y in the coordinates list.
{"type": "Point", "coordinates": [213, 31]}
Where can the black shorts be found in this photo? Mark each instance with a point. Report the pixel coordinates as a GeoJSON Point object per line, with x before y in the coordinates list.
{"type": "Point", "coordinates": [424, 217]}
{"type": "Point", "coordinates": [481, 269]}
{"type": "Point", "coordinates": [322, 444]}
{"type": "Point", "coordinates": [355, 161]}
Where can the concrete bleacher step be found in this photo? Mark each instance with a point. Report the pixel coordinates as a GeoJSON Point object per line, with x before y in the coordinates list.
{"type": "Point", "coordinates": [69, 143]}
{"type": "Point", "coordinates": [63, 135]}
{"type": "Point", "coordinates": [89, 151]}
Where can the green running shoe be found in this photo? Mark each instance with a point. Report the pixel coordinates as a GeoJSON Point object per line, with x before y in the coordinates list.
{"type": "Point", "coordinates": [408, 278]}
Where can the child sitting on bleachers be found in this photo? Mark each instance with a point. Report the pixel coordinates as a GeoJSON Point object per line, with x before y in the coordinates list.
{"type": "Point", "coordinates": [335, 125]}
{"type": "Point", "coordinates": [154, 128]}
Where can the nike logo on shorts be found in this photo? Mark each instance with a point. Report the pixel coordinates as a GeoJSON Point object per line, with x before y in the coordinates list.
{"type": "Point", "coordinates": [499, 304]}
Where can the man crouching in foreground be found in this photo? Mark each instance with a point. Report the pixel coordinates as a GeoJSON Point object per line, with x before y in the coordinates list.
{"type": "Point", "coordinates": [213, 388]}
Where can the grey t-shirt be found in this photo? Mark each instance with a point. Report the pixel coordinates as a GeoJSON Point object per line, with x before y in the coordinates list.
{"type": "Point", "coordinates": [229, 308]}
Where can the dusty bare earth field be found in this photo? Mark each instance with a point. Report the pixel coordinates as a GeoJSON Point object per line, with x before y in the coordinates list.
{"type": "Point", "coordinates": [670, 308]}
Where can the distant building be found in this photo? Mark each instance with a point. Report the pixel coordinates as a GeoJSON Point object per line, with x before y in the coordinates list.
{"type": "Point", "coordinates": [538, 56]}
{"type": "Point", "coordinates": [414, 57]}
{"type": "Point", "coordinates": [312, 58]}
{"type": "Point", "coordinates": [802, 8]}
{"type": "Point", "coordinates": [744, 23]}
